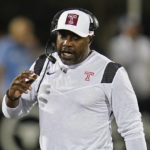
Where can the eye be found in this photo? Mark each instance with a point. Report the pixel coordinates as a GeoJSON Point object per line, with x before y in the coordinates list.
{"type": "Point", "coordinates": [76, 38]}
{"type": "Point", "coordinates": [62, 34]}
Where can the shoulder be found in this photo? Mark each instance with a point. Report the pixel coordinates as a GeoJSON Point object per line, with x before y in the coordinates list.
{"type": "Point", "coordinates": [105, 66]}
{"type": "Point", "coordinates": [100, 59]}
{"type": "Point", "coordinates": [100, 56]}
{"type": "Point", "coordinates": [110, 72]}
{"type": "Point", "coordinates": [122, 81]}
{"type": "Point", "coordinates": [143, 40]}
{"type": "Point", "coordinates": [39, 63]}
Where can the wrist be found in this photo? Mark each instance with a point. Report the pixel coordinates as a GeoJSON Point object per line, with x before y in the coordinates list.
{"type": "Point", "coordinates": [11, 98]}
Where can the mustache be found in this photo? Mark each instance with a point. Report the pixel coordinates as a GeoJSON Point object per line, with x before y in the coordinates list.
{"type": "Point", "coordinates": [67, 50]}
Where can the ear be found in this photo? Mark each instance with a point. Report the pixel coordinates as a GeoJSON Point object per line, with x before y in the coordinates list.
{"type": "Point", "coordinates": [91, 38]}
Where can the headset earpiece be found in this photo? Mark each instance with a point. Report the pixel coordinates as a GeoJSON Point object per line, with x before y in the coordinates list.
{"type": "Point", "coordinates": [94, 21]}
{"type": "Point", "coordinates": [55, 20]}
{"type": "Point", "coordinates": [53, 35]}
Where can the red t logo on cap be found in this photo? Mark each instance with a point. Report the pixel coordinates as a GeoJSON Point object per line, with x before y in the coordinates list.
{"type": "Point", "coordinates": [72, 19]}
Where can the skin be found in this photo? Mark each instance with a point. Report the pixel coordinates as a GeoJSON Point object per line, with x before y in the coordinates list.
{"type": "Point", "coordinates": [132, 31]}
{"type": "Point", "coordinates": [20, 85]}
{"type": "Point", "coordinates": [72, 49]}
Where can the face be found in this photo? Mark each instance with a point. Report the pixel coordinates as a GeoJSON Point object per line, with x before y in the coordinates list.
{"type": "Point", "coordinates": [72, 49]}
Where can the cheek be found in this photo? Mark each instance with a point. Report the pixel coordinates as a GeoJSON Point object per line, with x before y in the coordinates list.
{"type": "Point", "coordinates": [82, 47]}
{"type": "Point", "coordinates": [81, 51]}
{"type": "Point", "coordinates": [58, 45]}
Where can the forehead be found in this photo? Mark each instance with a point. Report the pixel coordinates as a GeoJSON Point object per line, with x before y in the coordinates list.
{"type": "Point", "coordinates": [67, 32]}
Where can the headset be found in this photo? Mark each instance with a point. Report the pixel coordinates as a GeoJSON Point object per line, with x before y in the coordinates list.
{"type": "Point", "coordinates": [51, 44]}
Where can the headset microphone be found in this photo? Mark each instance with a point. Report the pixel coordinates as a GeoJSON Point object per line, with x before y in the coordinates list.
{"type": "Point", "coordinates": [50, 45]}
{"type": "Point", "coordinates": [63, 69]}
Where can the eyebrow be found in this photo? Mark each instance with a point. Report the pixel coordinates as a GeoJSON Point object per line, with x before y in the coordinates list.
{"type": "Point", "coordinates": [67, 32]}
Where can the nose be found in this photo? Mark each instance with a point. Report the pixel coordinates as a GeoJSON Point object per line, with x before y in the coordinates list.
{"type": "Point", "coordinates": [67, 41]}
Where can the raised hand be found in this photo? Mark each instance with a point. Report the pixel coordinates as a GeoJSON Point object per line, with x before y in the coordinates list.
{"type": "Point", "coordinates": [21, 84]}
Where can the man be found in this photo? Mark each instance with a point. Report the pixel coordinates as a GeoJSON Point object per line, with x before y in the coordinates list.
{"type": "Point", "coordinates": [131, 48]}
{"type": "Point", "coordinates": [78, 92]}
{"type": "Point", "coordinates": [20, 41]}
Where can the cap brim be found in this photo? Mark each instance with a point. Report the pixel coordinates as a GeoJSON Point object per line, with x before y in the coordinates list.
{"type": "Point", "coordinates": [72, 30]}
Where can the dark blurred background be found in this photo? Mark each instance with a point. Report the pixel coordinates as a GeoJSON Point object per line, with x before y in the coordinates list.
{"type": "Point", "coordinates": [23, 134]}
{"type": "Point", "coordinates": [41, 13]}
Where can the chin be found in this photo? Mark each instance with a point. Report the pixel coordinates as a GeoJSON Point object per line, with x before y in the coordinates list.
{"type": "Point", "coordinates": [68, 62]}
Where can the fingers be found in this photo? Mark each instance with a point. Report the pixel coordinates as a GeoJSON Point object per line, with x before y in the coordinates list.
{"type": "Point", "coordinates": [25, 74]}
{"type": "Point", "coordinates": [27, 77]}
{"type": "Point", "coordinates": [22, 83]}
{"type": "Point", "coordinates": [31, 79]}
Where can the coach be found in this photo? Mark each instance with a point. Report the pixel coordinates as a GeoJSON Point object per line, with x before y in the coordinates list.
{"type": "Point", "coordinates": [78, 90]}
